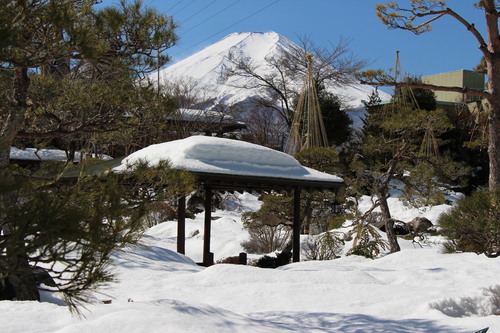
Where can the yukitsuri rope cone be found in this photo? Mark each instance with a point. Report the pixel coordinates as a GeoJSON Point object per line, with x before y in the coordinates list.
{"type": "Point", "coordinates": [307, 129]}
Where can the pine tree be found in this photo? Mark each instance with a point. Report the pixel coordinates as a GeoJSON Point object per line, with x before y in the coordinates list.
{"type": "Point", "coordinates": [418, 16]}
{"type": "Point", "coordinates": [336, 120]}
{"type": "Point", "coordinates": [56, 56]}
{"type": "Point", "coordinates": [394, 146]}
{"type": "Point", "coordinates": [69, 228]}
{"type": "Point", "coordinates": [59, 38]}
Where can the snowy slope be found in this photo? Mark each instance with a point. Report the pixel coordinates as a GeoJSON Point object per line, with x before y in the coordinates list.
{"type": "Point", "coordinates": [208, 66]}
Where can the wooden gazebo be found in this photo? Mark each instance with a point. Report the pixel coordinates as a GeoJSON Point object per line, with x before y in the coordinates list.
{"type": "Point", "coordinates": [229, 165]}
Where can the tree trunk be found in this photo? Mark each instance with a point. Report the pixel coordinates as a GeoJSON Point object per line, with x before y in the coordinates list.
{"type": "Point", "coordinates": [23, 281]}
{"type": "Point", "coordinates": [306, 222]}
{"type": "Point", "coordinates": [494, 145]}
{"type": "Point", "coordinates": [16, 266]}
{"type": "Point", "coordinates": [494, 122]}
{"type": "Point", "coordinates": [492, 56]}
{"type": "Point", "coordinates": [19, 273]}
{"type": "Point", "coordinates": [389, 223]}
{"type": "Point", "coordinates": [15, 118]}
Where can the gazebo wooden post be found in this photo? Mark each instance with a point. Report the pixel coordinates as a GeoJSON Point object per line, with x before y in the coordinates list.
{"type": "Point", "coordinates": [207, 257]}
{"type": "Point", "coordinates": [296, 225]}
{"type": "Point", "coordinates": [181, 225]}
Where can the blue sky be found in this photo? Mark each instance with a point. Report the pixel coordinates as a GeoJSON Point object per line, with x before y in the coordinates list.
{"type": "Point", "coordinates": [448, 47]}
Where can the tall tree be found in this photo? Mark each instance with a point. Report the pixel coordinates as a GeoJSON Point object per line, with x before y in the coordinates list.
{"type": "Point", "coordinates": [338, 125]}
{"type": "Point", "coordinates": [54, 36]}
{"type": "Point", "coordinates": [418, 17]}
{"type": "Point", "coordinates": [66, 231]}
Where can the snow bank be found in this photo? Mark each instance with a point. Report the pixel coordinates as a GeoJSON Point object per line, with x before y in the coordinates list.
{"type": "Point", "coordinates": [161, 291]}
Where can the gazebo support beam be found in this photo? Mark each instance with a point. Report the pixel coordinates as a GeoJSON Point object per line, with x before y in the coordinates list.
{"type": "Point", "coordinates": [207, 255]}
{"type": "Point", "coordinates": [181, 225]}
{"type": "Point", "coordinates": [296, 225]}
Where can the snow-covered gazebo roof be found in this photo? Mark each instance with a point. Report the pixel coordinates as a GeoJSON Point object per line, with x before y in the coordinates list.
{"type": "Point", "coordinates": [231, 164]}
{"type": "Point", "coordinates": [224, 164]}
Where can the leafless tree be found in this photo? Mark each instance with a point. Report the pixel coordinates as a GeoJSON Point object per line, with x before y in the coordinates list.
{"type": "Point", "coordinates": [186, 92]}
{"type": "Point", "coordinates": [198, 111]}
{"type": "Point", "coordinates": [280, 76]}
{"type": "Point", "coordinates": [262, 126]}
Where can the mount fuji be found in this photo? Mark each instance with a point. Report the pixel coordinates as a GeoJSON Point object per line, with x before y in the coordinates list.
{"type": "Point", "coordinates": [206, 71]}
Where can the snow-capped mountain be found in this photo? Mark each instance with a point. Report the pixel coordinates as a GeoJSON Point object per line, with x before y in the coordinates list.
{"type": "Point", "coordinates": [208, 66]}
{"type": "Point", "coordinates": [203, 76]}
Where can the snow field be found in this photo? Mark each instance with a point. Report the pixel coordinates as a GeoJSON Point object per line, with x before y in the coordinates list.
{"type": "Point", "coordinates": [159, 290]}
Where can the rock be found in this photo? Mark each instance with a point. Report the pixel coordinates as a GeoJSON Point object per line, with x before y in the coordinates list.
{"type": "Point", "coordinates": [400, 228]}
{"type": "Point", "coordinates": [377, 220]}
{"type": "Point", "coordinates": [42, 276]}
{"type": "Point", "coordinates": [419, 225]}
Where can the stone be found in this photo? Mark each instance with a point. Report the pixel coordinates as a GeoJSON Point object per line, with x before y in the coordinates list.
{"type": "Point", "coordinates": [419, 225]}
{"type": "Point", "coordinates": [400, 228]}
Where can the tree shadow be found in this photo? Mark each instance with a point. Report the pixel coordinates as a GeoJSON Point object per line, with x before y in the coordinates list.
{"type": "Point", "coordinates": [350, 323]}
{"type": "Point", "coordinates": [141, 256]}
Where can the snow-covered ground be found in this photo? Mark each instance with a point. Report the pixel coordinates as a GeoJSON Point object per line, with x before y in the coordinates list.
{"type": "Point", "coordinates": [33, 154]}
{"type": "Point", "coordinates": [159, 290]}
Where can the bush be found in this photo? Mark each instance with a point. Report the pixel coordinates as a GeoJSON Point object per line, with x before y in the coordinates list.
{"type": "Point", "coordinates": [270, 228]}
{"type": "Point", "coordinates": [325, 246]}
{"type": "Point", "coordinates": [319, 158]}
{"type": "Point", "coordinates": [473, 225]}
{"type": "Point", "coordinates": [158, 212]}
{"type": "Point", "coordinates": [267, 233]}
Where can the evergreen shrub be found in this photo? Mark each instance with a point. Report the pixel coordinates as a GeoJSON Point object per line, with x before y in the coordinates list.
{"type": "Point", "coordinates": [281, 259]}
{"type": "Point", "coordinates": [473, 225]}
{"type": "Point", "coordinates": [367, 242]}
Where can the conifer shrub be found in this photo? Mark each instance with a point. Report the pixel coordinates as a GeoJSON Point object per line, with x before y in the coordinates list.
{"type": "Point", "coordinates": [319, 158]}
{"type": "Point", "coordinates": [473, 225]}
{"type": "Point", "coordinates": [282, 258]}
{"type": "Point", "coordinates": [367, 242]}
